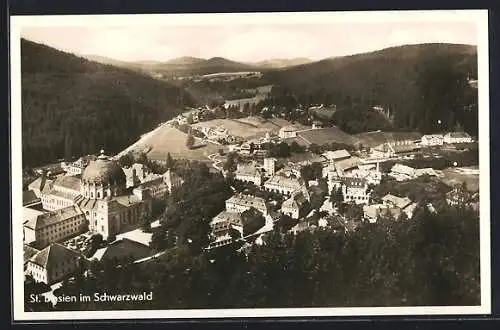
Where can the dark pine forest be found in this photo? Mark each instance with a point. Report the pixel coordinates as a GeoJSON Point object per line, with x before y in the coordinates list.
{"type": "Point", "coordinates": [72, 106]}
{"type": "Point", "coordinates": [417, 84]}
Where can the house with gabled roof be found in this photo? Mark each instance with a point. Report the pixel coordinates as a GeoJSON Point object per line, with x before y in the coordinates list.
{"type": "Point", "coordinates": [53, 264]}
{"type": "Point", "coordinates": [295, 205]}
{"type": "Point", "coordinates": [28, 252]}
{"type": "Point", "coordinates": [121, 250]}
{"type": "Point", "coordinates": [39, 184]}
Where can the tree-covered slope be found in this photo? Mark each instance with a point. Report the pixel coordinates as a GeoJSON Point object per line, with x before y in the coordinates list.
{"type": "Point", "coordinates": [72, 106]}
{"type": "Point", "coordinates": [420, 84]}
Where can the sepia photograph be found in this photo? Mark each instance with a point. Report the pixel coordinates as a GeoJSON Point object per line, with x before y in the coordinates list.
{"type": "Point", "coordinates": [250, 165]}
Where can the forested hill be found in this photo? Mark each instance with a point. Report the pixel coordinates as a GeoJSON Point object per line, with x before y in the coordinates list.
{"type": "Point", "coordinates": [420, 84]}
{"type": "Point", "coordinates": [72, 106]}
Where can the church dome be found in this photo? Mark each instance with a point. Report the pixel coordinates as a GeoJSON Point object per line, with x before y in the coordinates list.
{"type": "Point", "coordinates": [104, 171]}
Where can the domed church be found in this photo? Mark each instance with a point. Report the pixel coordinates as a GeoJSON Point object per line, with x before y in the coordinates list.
{"type": "Point", "coordinates": [104, 199]}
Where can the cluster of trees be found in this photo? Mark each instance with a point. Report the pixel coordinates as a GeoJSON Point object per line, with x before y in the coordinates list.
{"type": "Point", "coordinates": [432, 260]}
{"type": "Point", "coordinates": [192, 206]}
{"type": "Point", "coordinates": [312, 171]}
{"type": "Point", "coordinates": [252, 221]}
{"type": "Point", "coordinates": [215, 92]}
{"type": "Point", "coordinates": [360, 118]}
{"type": "Point", "coordinates": [130, 158]}
{"type": "Point", "coordinates": [72, 106]}
{"type": "Point", "coordinates": [424, 189]}
{"type": "Point", "coordinates": [319, 149]}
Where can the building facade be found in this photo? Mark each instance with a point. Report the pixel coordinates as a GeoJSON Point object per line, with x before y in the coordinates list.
{"type": "Point", "coordinates": [432, 140]}
{"type": "Point", "coordinates": [249, 173]}
{"type": "Point", "coordinates": [295, 205]}
{"type": "Point", "coordinates": [60, 193]}
{"type": "Point", "coordinates": [239, 203]}
{"type": "Point", "coordinates": [284, 184]}
{"type": "Point", "coordinates": [55, 226]}
{"type": "Point", "coordinates": [53, 264]}
{"type": "Point", "coordinates": [77, 167]}
{"type": "Point", "coordinates": [221, 227]}
{"type": "Point", "coordinates": [457, 137]}
{"type": "Point", "coordinates": [355, 190]}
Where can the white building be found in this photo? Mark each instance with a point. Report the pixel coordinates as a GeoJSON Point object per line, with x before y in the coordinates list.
{"type": "Point", "coordinates": [60, 193]}
{"type": "Point", "coordinates": [432, 140]}
{"type": "Point", "coordinates": [172, 180]}
{"type": "Point", "coordinates": [371, 173]}
{"type": "Point", "coordinates": [239, 203]}
{"type": "Point", "coordinates": [337, 155]}
{"type": "Point", "coordinates": [294, 206]}
{"type": "Point", "coordinates": [46, 228]}
{"type": "Point", "coordinates": [222, 225]}
{"type": "Point", "coordinates": [52, 264]}
{"type": "Point", "coordinates": [136, 174]}
{"type": "Point", "coordinates": [285, 185]}
{"type": "Point", "coordinates": [355, 190]}
{"type": "Point", "coordinates": [39, 184]}
{"type": "Point", "coordinates": [249, 173]}
{"type": "Point", "coordinates": [402, 203]}
{"type": "Point", "coordinates": [457, 137]}
{"type": "Point", "coordinates": [269, 166]}
{"type": "Point", "coordinates": [77, 167]}
{"type": "Point", "coordinates": [157, 187]}
{"type": "Point", "coordinates": [290, 131]}
{"type": "Point", "coordinates": [402, 172]}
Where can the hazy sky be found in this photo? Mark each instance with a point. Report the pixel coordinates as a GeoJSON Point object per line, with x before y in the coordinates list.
{"type": "Point", "coordinates": [247, 42]}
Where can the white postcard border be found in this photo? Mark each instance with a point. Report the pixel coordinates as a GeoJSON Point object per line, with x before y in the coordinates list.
{"type": "Point", "coordinates": [478, 16]}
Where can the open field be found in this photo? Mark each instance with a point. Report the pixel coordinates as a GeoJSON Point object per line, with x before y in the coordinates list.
{"type": "Point", "coordinates": [249, 127]}
{"type": "Point", "coordinates": [469, 175]}
{"type": "Point", "coordinates": [169, 139]}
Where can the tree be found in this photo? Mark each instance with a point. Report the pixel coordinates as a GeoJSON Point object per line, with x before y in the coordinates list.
{"type": "Point", "coordinates": [354, 212]}
{"type": "Point", "coordinates": [252, 147]}
{"type": "Point", "coordinates": [230, 164]}
{"type": "Point", "coordinates": [234, 234]}
{"type": "Point", "coordinates": [111, 238]}
{"type": "Point", "coordinates": [314, 148]}
{"type": "Point", "coordinates": [295, 147]}
{"type": "Point", "coordinates": [286, 222]}
{"type": "Point", "coordinates": [190, 141]}
{"type": "Point", "coordinates": [312, 172]}
{"type": "Point", "coordinates": [169, 162]}
{"type": "Point", "coordinates": [252, 221]}
{"type": "Point", "coordinates": [337, 196]}
{"type": "Point", "coordinates": [158, 241]}
{"type": "Point", "coordinates": [146, 225]}
{"type": "Point", "coordinates": [83, 227]}
{"type": "Point", "coordinates": [126, 160]}
{"type": "Point", "coordinates": [281, 150]}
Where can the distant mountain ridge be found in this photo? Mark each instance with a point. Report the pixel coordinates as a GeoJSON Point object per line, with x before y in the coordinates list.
{"type": "Point", "coordinates": [199, 66]}
{"type": "Point", "coordinates": [278, 63]}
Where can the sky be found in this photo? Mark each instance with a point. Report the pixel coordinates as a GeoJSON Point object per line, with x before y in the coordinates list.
{"type": "Point", "coordinates": [246, 42]}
